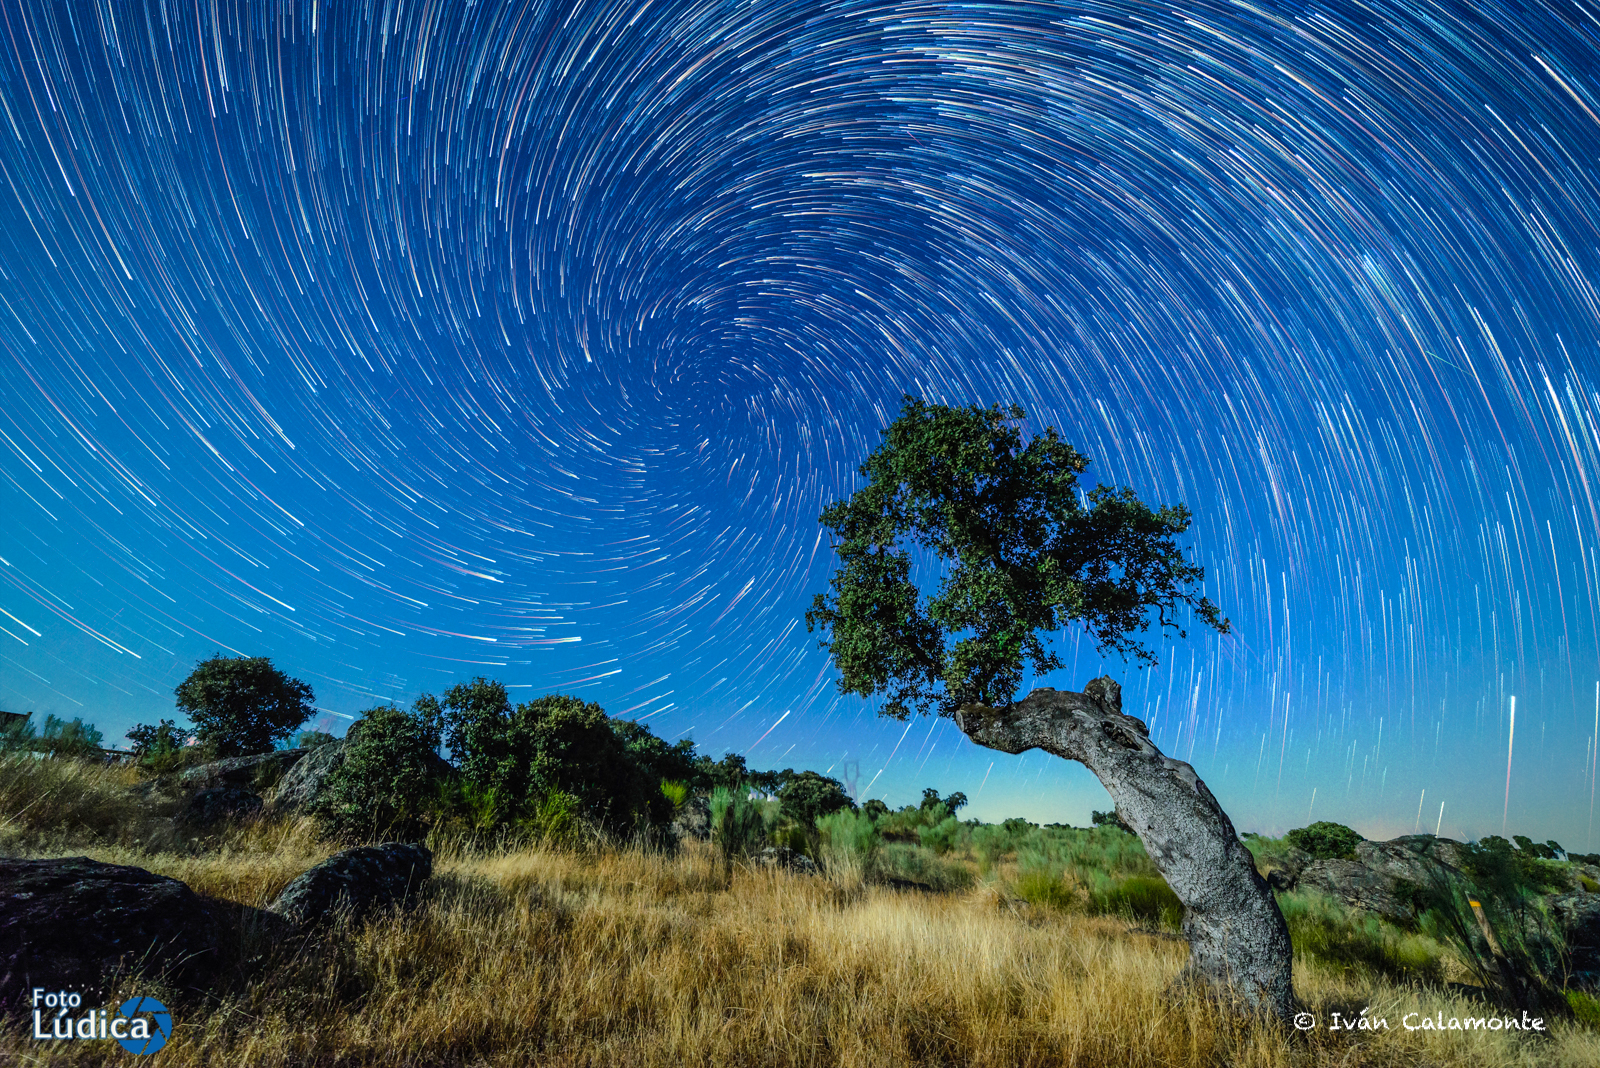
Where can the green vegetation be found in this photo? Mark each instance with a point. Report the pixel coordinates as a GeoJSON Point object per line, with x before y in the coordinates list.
{"type": "Point", "coordinates": [388, 775]}
{"type": "Point", "coordinates": [1325, 841]}
{"type": "Point", "coordinates": [1024, 557]}
{"type": "Point", "coordinates": [242, 705]}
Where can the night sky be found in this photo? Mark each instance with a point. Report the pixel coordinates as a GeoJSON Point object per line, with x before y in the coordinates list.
{"type": "Point", "coordinates": [405, 342]}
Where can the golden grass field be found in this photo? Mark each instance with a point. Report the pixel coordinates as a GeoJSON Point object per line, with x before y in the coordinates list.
{"type": "Point", "coordinates": [625, 957]}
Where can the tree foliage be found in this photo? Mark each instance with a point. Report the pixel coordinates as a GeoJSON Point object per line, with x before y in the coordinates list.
{"type": "Point", "coordinates": [1024, 555]}
{"type": "Point", "coordinates": [382, 787]}
{"type": "Point", "coordinates": [1325, 840]}
{"type": "Point", "coordinates": [243, 705]}
{"type": "Point", "coordinates": [808, 795]}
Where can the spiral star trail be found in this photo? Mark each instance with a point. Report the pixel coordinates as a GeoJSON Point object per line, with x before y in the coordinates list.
{"type": "Point", "coordinates": [409, 342]}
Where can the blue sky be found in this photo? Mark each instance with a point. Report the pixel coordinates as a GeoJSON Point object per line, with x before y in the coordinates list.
{"type": "Point", "coordinates": [403, 345]}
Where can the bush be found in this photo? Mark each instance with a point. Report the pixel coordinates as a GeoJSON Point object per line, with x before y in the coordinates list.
{"type": "Point", "coordinates": [157, 747]}
{"type": "Point", "coordinates": [517, 756]}
{"type": "Point", "coordinates": [897, 862]}
{"type": "Point", "coordinates": [313, 739]}
{"type": "Point", "coordinates": [738, 824]}
{"type": "Point", "coordinates": [942, 836]}
{"type": "Point", "coordinates": [1334, 934]}
{"type": "Point", "coordinates": [382, 787]}
{"type": "Point", "coordinates": [808, 796]}
{"type": "Point", "coordinates": [876, 809]}
{"type": "Point", "coordinates": [1109, 819]}
{"type": "Point", "coordinates": [243, 705]}
{"type": "Point", "coordinates": [1043, 888]}
{"type": "Point", "coordinates": [849, 843]}
{"type": "Point", "coordinates": [1325, 840]}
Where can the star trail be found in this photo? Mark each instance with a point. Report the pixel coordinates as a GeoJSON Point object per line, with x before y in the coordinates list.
{"type": "Point", "coordinates": [405, 342]}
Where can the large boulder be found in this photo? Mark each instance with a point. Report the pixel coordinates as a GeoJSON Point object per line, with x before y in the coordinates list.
{"type": "Point", "coordinates": [694, 819]}
{"type": "Point", "coordinates": [791, 859]}
{"type": "Point", "coordinates": [1578, 916]}
{"type": "Point", "coordinates": [1389, 878]}
{"type": "Point", "coordinates": [259, 770]}
{"type": "Point", "coordinates": [356, 881]}
{"type": "Point", "coordinates": [76, 925]}
{"type": "Point", "coordinates": [303, 783]}
{"type": "Point", "coordinates": [216, 803]}
{"type": "Point", "coordinates": [1359, 886]}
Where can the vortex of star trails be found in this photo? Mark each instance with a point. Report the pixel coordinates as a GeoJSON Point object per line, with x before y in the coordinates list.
{"type": "Point", "coordinates": [407, 342]}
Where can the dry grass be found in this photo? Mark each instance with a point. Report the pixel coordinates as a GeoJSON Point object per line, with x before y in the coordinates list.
{"type": "Point", "coordinates": [627, 957]}
{"type": "Point", "coordinates": [631, 958]}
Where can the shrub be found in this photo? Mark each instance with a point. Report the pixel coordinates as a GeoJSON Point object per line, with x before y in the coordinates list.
{"type": "Point", "coordinates": [876, 809]}
{"type": "Point", "coordinates": [382, 787]}
{"type": "Point", "coordinates": [1044, 888]}
{"type": "Point", "coordinates": [849, 842]}
{"type": "Point", "coordinates": [157, 748]}
{"type": "Point", "coordinates": [1585, 1008]}
{"type": "Point", "coordinates": [1325, 840]}
{"type": "Point", "coordinates": [738, 824]}
{"type": "Point", "coordinates": [517, 756]}
{"type": "Point", "coordinates": [1334, 934]}
{"type": "Point", "coordinates": [1145, 898]}
{"type": "Point", "coordinates": [808, 796]}
{"type": "Point", "coordinates": [1110, 819]}
{"type": "Point", "coordinates": [243, 705]}
{"type": "Point", "coordinates": [313, 739]}
{"type": "Point", "coordinates": [942, 836]}
{"type": "Point", "coordinates": [991, 843]}
{"type": "Point", "coordinates": [898, 862]}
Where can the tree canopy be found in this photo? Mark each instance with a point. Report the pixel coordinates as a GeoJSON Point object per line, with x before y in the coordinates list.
{"type": "Point", "coordinates": [243, 705]}
{"type": "Point", "coordinates": [1024, 553]}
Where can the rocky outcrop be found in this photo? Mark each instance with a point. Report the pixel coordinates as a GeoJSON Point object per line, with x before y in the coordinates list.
{"type": "Point", "coordinates": [1359, 886]}
{"type": "Point", "coordinates": [249, 772]}
{"type": "Point", "coordinates": [784, 857]}
{"type": "Point", "coordinates": [217, 803]}
{"type": "Point", "coordinates": [356, 882]}
{"type": "Point", "coordinates": [694, 819]}
{"type": "Point", "coordinates": [1578, 916]}
{"type": "Point", "coordinates": [303, 783]}
{"type": "Point", "coordinates": [77, 925]}
{"type": "Point", "coordinates": [1389, 878]}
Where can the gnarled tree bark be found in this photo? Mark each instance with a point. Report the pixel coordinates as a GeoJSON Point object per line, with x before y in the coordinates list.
{"type": "Point", "coordinates": [1238, 942]}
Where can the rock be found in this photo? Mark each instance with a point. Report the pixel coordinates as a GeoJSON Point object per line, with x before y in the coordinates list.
{"type": "Point", "coordinates": [694, 820]}
{"type": "Point", "coordinates": [1578, 915]}
{"type": "Point", "coordinates": [260, 770]}
{"type": "Point", "coordinates": [303, 783]}
{"type": "Point", "coordinates": [1387, 877]}
{"type": "Point", "coordinates": [216, 803]}
{"type": "Point", "coordinates": [1359, 886]}
{"type": "Point", "coordinates": [1282, 869]}
{"type": "Point", "coordinates": [788, 858]}
{"type": "Point", "coordinates": [77, 925]}
{"type": "Point", "coordinates": [357, 880]}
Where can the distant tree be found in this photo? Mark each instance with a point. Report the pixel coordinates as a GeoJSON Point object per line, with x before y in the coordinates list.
{"type": "Point", "coordinates": [875, 808]}
{"type": "Point", "coordinates": [313, 739]}
{"type": "Point", "coordinates": [555, 744]}
{"type": "Point", "coordinates": [938, 807]}
{"type": "Point", "coordinates": [73, 738]}
{"type": "Point", "coordinates": [382, 788]}
{"type": "Point", "coordinates": [770, 783]}
{"type": "Point", "coordinates": [730, 771]}
{"type": "Point", "coordinates": [1109, 819]}
{"type": "Point", "coordinates": [1325, 840]}
{"type": "Point", "coordinates": [243, 705]}
{"type": "Point", "coordinates": [158, 747]}
{"type": "Point", "coordinates": [809, 795]}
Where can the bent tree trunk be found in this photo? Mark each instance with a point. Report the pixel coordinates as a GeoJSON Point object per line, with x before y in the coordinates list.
{"type": "Point", "coordinates": [1239, 944]}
